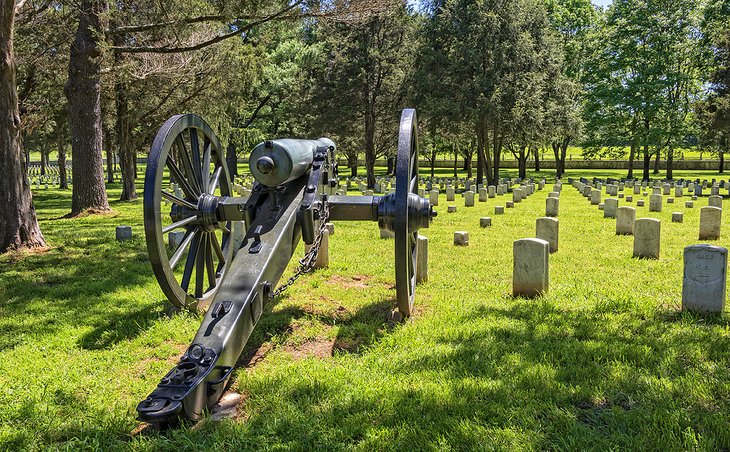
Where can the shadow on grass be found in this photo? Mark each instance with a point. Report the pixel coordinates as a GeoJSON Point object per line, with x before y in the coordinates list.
{"type": "Point", "coordinates": [531, 376]}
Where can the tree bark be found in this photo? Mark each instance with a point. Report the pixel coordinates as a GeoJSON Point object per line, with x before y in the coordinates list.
{"type": "Point", "coordinates": [722, 162]}
{"type": "Point", "coordinates": [537, 160]}
{"type": "Point", "coordinates": [670, 163]}
{"type": "Point", "coordinates": [18, 223]}
{"type": "Point", "coordinates": [496, 156]}
{"type": "Point", "coordinates": [84, 111]}
{"type": "Point", "coordinates": [632, 154]}
{"type": "Point", "coordinates": [62, 179]}
{"type": "Point", "coordinates": [122, 127]}
{"type": "Point", "coordinates": [370, 146]}
{"type": "Point", "coordinates": [647, 162]}
{"type": "Point", "coordinates": [656, 161]}
{"type": "Point", "coordinates": [232, 160]}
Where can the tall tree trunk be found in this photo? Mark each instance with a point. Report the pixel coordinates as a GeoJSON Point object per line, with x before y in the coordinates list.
{"type": "Point", "coordinates": [391, 165]}
{"type": "Point", "coordinates": [496, 155]}
{"type": "Point", "coordinates": [556, 152]}
{"type": "Point", "coordinates": [370, 146]}
{"type": "Point", "coordinates": [109, 154]}
{"type": "Point", "coordinates": [18, 224]}
{"type": "Point", "coordinates": [537, 160]}
{"type": "Point", "coordinates": [563, 154]}
{"type": "Point", "coordinates": [647, 162]}
{"type": "Point", "coordinates": [62, 179]}
{"type": "Point", "coordinates": [122, 127]}
{"type": "Point", "coordinates": [84, 111]}
{"type": "Point", "coordinates": [632, 154]}
{"type": "Point", "coordinates": [231, 160]}
{"type": "Point", "coordinates": [656, 161]}
{"type": "Point", "coordinates": [721, 169]}
{"type": "Point", "coordinates": [481, 133]}
{"type": "Point", "coordinates": [43, 159]}
{"type": "Point", "coordinates": [456, 159]}
{"type": "Point", "coordinates": [670, 163]}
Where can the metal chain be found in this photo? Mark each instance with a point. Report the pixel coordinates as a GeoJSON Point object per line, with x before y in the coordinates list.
{"type": "Point", "coordinates": [306, 264]}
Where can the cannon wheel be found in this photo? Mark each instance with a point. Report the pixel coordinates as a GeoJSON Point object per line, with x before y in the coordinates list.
{"type": "Point", "coordinates": [191, 273]}
{"type": "Point", "coordinates": [406, 181]}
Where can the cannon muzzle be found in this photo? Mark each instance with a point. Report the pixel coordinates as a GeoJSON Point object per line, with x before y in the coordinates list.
{"type": "Point", "coordinates": [276, 162]}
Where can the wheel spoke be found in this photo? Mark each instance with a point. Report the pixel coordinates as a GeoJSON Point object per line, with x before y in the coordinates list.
{"type": "Point", "coordinates": [191, 175]}
{"type": "Point", "coordinates": [195, 153]}
{"type": "Point", "coordinates": [217, 249]}
{"type": "Point", "coordinates": [215, 180]}
{"type": "Point", "coordinates": [205, 169]}
{"type": "Point", "coordinates": [179, 224]}
{"type": "Point", "coordinates": [190, 262]}
{"type": "Point", "coordinates": [209, 267]}
{"type": "Point", "coordinates": [180, 179]}
{"type": "Point", "coordinates": [200, 267]}
{"type": "Point", "coordinates": [175, 258]}
{"type": "Point", "coordinates": [172, 198]}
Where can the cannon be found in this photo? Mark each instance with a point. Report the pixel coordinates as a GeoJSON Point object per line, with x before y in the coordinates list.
{"type": "Point", "coordinates": [231, 252]}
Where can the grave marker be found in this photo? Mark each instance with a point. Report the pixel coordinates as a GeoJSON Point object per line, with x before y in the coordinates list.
{"type": "Point", "coordinates": [705, 275]}
{"type": "Point", "coordinates": [530, 267]}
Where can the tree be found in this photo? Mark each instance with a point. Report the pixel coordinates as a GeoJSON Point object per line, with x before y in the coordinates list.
{"type": "Point", "coordinates": [645, 75]}
{"type": "Point", "coordinates": [486, 63]}
{"type": "Point", "coordinates": [358, 85]}
{"type": "Point", "coordinates": [18, 224]}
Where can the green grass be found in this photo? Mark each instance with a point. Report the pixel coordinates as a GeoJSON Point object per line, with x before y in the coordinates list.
{"type": "Point", "coordinates": [604, 360]}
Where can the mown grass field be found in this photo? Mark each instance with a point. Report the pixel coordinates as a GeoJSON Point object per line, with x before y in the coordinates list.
{"type": "Point", "coordinates": [604, 360]}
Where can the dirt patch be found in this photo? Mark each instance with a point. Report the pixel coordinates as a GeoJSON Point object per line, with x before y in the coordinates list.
{"type": "Point", "coordinates": [15, 256]}
{"type": "Point", "coordinates": [89, 212]}
{"type": "Point", "coordinates": [350, 282]}
{"type": "Point", "coordinates": [318, 349]}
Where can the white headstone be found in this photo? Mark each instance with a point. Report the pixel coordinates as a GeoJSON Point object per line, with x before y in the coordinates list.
{"type": "Point", "coordinates": [498, 210]}
{"type": "Point", "coordinates": [715, 201]}
{"type": "Point", "coordinates": [461, 238]}
{"type": "Point", "coordinates": [655, 203]}
{"type": "Point", "coordinates": [530, 267]}
{"type": "Point", "coordinates": [710, 220]}
{"type": "Point", "coordinates": [705, 275]}
{"type": "Point", "coordinates": [595, 197]}
{"type": "Point", "coordinates": [485, 222]}
{"type": "Point", "coordinates": [547, 229]}
{"type": "Point", "coordinates": [552, 207]}
{"type": "Point", "coordinates": [469, 199]}
{"type": "Point", "coordinates": [433, 197]}
{"type": "Point", "coordinates": [609, 208]}
{"type": "Point", "coordinates": [647, 234]}
{"type": "Point", "coordinates": [625, 217]}
{"type": "Point", "coordinates": [421, 259]}
{"type": "Point", "coordinates": [677, 217]}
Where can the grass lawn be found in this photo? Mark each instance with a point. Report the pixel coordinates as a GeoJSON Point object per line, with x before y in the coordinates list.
{"type": "Point", "coordinates": [604, 360]}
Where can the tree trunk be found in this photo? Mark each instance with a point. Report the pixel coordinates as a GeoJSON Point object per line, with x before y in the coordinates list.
{"type": "Point", "coordinates": [563, 154]}
{"type": "Point", "coordinates": [556, 152]}
{"type": "Point", "coordinates": [62, 179]}
{"type": "Point", "coordinates": [231, 160]}
{"type": "Point", "coordinates": [456, 159]}
{"type": "Point", "coordinates": [496, 156]}
{"type": "Point", "coordinates": [722, 162]}
{"type": "Point", "coordinates": [391, 165]}
{"type": "Point", "coordinates": [656, 161]}
{"type": "Point", "coordinates": [647, 162]}
{"type": "Point", "coordinates": [43, 159]}
{"type": "Point", "coordinates": [670, 163]}
{"type": "Point", "coordinates": [537, 160]}
{"type": "Point", "coordinates": [353, 170]}
{"type": "Point", "coordinates": [123, 132]}
{"type": "Point", "coordinates": [18, 224]}
{"type": "Point", "coordinates": [632, 154]}
{"type": "Point", "coordinates": [370, 147]}
{"type": "Point", "coordinates": [84, 112]}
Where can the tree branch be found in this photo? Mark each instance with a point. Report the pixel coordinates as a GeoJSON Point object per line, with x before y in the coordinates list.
{"type": "Point", "coordinates": [148, 27]}
{"type": "Point", "coordinates": [165, 49]}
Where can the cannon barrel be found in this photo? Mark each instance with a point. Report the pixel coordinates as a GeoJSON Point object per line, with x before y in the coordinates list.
{"type": "Point", "coordinates": [276, 162]}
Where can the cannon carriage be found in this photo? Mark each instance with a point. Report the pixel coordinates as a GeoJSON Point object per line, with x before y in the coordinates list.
{"type": "Point", "coordinates": [233, 251]}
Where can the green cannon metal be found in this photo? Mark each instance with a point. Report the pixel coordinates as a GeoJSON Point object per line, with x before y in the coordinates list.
{"type": "Point", "coordinates": [231, 252]}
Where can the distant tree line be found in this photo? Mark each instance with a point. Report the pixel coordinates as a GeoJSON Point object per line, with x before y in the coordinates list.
{"type": "Point", "coordinates": [489, 77]}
